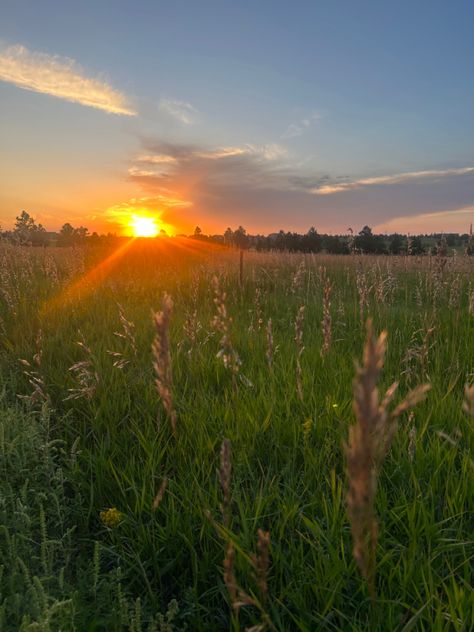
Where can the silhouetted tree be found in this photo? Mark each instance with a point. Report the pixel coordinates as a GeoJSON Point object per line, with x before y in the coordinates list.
{"type": "Point", "coordinates": [240, 237]}
{"type": "Point", "coordinates": [416, 247]}
{"type": "Point", "coordinates": [27, 232]}
{"type": "Point", "coordinates": [70, 236]}
{"type": "Point", "coordinates": [396, 244]}
{"type": "Point", "coordinates": [369, 243]}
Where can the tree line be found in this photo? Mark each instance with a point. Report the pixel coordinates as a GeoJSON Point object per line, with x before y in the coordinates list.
{"type": "Point", "coordinates": [363, 242]}
{"type": "Point", "coordinates": [27, 232]}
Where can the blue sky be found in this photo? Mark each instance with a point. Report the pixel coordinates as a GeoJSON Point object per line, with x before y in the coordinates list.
{"type": "Point", "coordinates": [221, 113]}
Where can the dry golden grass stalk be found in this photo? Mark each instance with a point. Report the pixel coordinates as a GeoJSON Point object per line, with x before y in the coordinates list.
{"type": "Point", "coordinates": [162, 360]}
{"type": "Point", "coordinates": [34, 373]}
{"type": "Point", "coordinates": [261, 563]}
{"type": "Point", "coordinates": [369, 441]}
{"type": "Point", "coordinates": [270, 344]}
{"type": "Point", "coordinates": [299, 350]}
{"type": "Point", "coordinates": [222, 323]}
{"type": "Point", "coordinates": [192, 326]}
{"type": "Point", "coordinates": [229, 575]}
{"type": "Point", "coordinates": [84, 372]}
{"type": "Point", "coordinates": [468, 404]}
{"type": "Point", "coordinates": [159, 496]}
{"type": "Point", "coordinates": [128, 336]}
{"type": "Point", "coordinates": [363, 292]}
{"type": "Point", "coordinates": [327, 321]}
{"type": "Point", "coordinates": [225, 476]}
{"type": "Point", "coordinates": [299, 277]}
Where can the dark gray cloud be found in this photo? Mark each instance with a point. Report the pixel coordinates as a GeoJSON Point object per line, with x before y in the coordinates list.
{"type": "Point", "coordinates": [257, 186]}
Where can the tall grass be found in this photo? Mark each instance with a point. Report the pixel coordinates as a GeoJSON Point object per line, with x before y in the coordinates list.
{"type": "Point", "coordinates": [286, 412]}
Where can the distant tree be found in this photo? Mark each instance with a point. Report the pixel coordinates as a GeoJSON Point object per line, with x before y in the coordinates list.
{"type": "Point", "coordinates": [66, 235]}
{"type": "Point", "coordinates": [197, 232]}
{"type": "Point", "coordinates": [27, 232]}
{"type": "Point", "coordinates": [365, 240]}
{"type": "Point", "coordinates": [228, 237]}
{"type": "Point", "coordinates": [81, 234]}
{"type": "Point", "coordinates": [396, 244]}
{"type": "Point", "coordinates": [416, 246]}
{"type": "Point", "coordinates": [334, 245]}
{"type": "Point", "coordinates": [311, 241]}
{"type": "Point", "coordinates": [70, 236]}
{"type": "Point", "coordinates": [369, 243]}
{"type": "Point", "coordinates": [470, 244]}
{"type": "Point", "coordinates": [240, 237]}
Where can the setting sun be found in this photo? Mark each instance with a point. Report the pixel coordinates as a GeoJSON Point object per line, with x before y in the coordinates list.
{"type": "Point", "coordinates": [144, 226]}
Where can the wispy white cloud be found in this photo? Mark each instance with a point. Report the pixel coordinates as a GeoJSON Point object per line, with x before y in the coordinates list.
{"type": "Point", "coordinates": [157, 159]}
{"type": "Point", "coordinates": [299, 127]}
{"type": "Point", "coordinates": [266, 152]}
{"type": "Point", "coordinates": [328, 189]}
{"type": "Point", "coordinates": [180, 110]}
{"type": "Point", "coordinates": [59, 77]}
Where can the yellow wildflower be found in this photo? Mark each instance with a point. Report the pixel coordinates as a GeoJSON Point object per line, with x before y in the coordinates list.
{"type": "Point", "coordinates": [111, 517]}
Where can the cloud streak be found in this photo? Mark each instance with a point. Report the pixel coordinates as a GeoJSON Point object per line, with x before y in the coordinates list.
{"type": "Point", "coordinates": [299, 127]}
{"type": "Point", "coordinates": [60, 77]}
{"type": "Point", "coordinates": [439, 221]}
{"type": "Point", "coordinates": [179, 110]}
{"type": "Point", "coordinates": [329, 189]}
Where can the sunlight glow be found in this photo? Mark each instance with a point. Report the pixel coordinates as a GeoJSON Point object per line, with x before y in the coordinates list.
{"type": "Point", "coordinates": [144, 226]}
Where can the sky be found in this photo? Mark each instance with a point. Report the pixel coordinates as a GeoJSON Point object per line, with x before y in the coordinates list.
{"type": "Point", "coordinates": [271, 115]}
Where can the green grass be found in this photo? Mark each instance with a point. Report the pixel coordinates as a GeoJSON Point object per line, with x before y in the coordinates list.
{"type": "Point", "coordinates": [65, 461]}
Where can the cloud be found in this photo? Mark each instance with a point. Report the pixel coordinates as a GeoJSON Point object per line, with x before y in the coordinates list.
{"type": "Point", "coordinates": [180, 110]}
{"type": "Point", "coordinates": [438, 222]}
{"type": "Point", "coordinates": [259, 187]}
{"type": "Point", "coordinates": [298, 128]}
{"type": "Point", "coordinates": [267, 152]}
{"type": "Point", "coordinates": [398, 178]}
{"type": "Point", "coordinates": [180, 165]}
{"type": "Point", "coordinates": [59, 77]}
{"type": "Point", "coordinates": [159, 159]}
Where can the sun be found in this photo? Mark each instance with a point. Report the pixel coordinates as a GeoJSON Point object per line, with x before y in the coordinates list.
{"type": "Point", "coordinates": [144, 226]}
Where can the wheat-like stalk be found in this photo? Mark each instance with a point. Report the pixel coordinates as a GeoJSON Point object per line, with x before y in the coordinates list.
{"type": "Point", "coordinates": [369, 441]}
{"type": "Point", "coordinates": [225, 477]}
{"type": "Point", "coordinates": [162, 359]}
{"type": "Point", "coordinates": [299, 350]}
{"type": "Point", "coordinates": [159, 495]}
{"type": "Point", "coordinates": [327, 320]}
{"type": "Point", "coordinates": [85, 374]}
{"type": "Point", "coordinates": [270, 344]}
{"type": "Point", "coordinates": [127, 334]}
{"type": "Point", "coordinates": [222, 323]}
{"type": "Point", "coordinates": [468, 404]}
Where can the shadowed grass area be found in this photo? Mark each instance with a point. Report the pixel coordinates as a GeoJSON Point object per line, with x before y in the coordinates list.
{"type": "Point", "coordinates": [112, 447]}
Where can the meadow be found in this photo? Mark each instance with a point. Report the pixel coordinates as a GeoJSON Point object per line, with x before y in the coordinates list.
{"type": "Point", "coordinates": [176, 444]}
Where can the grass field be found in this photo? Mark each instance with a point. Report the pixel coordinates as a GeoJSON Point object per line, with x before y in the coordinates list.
{"type": "Point", "coordinates": [113, 520]}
